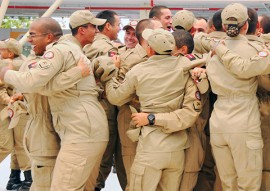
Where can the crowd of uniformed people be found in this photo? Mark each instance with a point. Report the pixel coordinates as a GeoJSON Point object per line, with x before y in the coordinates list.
{"type": "Point", "coordinates": [182, 105]}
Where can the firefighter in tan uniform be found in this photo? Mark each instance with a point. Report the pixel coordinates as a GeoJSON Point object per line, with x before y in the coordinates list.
{"type": "Point", "coordinates": [263, 96]}
{"type": "Point", "coordinates": [235, 125]}
{"type": "Point", "coordinates": [129, 59]}
{"type": "Point", "coordinates": [103, 46]}
{"type": "Point", "coordinates": [76, 158]}
{"type": "Point", "coordinates": [159, 159]}
{"type": "Point", "coordinates": [196, 152]}
{"type": "Point", "coordinates": [41, 141]}
{"type": "Point", "coordinates": [12, 138]}
{"type": "Point", "coordinates": [208, 178]}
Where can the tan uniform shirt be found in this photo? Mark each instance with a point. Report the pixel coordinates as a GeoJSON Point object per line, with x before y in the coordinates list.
{"type": "Point", "coordinates": [102, 45]}
{"type": "Point", "coordinates": [236, 85]}
{"type": "Point", "coordinates": [77, 114]}
{"type": "Point", "coordinates": [130, 58]}
{"type": "Point", "coordinates": [147, 80]}
{"type": "Point", "coordinates": [200, 46]}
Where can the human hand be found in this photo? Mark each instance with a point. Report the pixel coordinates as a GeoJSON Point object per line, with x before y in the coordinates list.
{"type": "Point", "coordinates": [139, 119]}
{"type": "Point", "coordinates": [84, 66]}
{"type": "Point", "coordinates": [117, 61]}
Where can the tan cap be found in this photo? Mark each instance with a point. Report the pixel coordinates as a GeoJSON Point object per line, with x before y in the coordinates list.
{"type": "Point", "coordinates": [132, 23]}
{"type": "Point", "coordinates": [15, 112]}
{"type": "Point", "coordinates": [234, 10]}
{"type": "Point", "coordinates": [82, 17]}
{"type": "Point", "coordinates": [12, 44]}
{"type": "Point", "coordinates": [162, 41]}
{"type": "Point", "coordinates": [183, 18]}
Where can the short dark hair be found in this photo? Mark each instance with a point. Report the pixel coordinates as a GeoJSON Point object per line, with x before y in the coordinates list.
{"type": "Point", "coordinates": [252, 21]}
{"type": "Point", "coordinates": [156, 11]}
{"type": "Point", "coordinates": [74, 31]}
{"type": "Point", "coordinates": [183, 38]}
{"type": "Point", "coordinates": [265, 24]}
{"type": "Point", "coordinates": [143, 24]}
{"type": "Point", "coordinates": [217, 21]}
{"type": "Point", "coordinates": [107, 14]}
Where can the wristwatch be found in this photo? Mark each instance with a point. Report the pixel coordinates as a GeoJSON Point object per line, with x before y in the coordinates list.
{"type": "Point", "coordinates": [151, 119]}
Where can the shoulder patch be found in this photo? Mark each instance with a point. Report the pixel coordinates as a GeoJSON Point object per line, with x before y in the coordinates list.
{"type": "Point", "coordinates": [198, 95]}
{"type": "Point", "coordinates": [10, 112]}
{"type": "Point", "coordinates": [190, 57]}
{"type": "Point", "coordinates": [263, 54]}
{"type": "Point", "coordinates": [112, 53]}
{"type": "Point", "coordinates": [43, 65]}
{"type": "Point", "coordinates": [48, 55]}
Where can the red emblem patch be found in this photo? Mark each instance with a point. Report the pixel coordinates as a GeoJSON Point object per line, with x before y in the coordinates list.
{"type": "Point", "coordinates": [190, 57]}
{"type": "Point", "coordinates": [48, 55]}
{"type": "Point", "coordinates": [10, 112]}
{"type": "Point", "coordinates": [198, 95]}
{"type": "Point", "coordinates": [112, 53]}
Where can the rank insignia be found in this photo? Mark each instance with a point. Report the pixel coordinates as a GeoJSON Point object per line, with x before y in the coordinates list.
{"type": "Point", "coordinates": [43, 65]}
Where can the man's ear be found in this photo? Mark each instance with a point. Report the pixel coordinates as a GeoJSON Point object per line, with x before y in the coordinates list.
{"type": "Point", "coordinates": [107, 26]}
{"type": "Point", "coordinates": [184, 50]}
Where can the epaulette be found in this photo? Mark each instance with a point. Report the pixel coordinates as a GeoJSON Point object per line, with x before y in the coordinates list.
{"type": "Point", "coordinates": [190, 57]}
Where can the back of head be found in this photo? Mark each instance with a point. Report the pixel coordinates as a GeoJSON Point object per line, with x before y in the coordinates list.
{"type": "Point", "coordinates": [265, 24]}
{"type": "Point", "coordinates": [183, 19]}
{"type": "Point", "coordinates": [143, 24]}
{"type": "Point", "coordinates": [156, 11]}
{"type": "Point", "coordinates": [183, 38]}
{"type": "Point", "coordinates": [217, 21]}
{"type": "Point", "coordinates": [12, 45]}
{"type": "Point", "coordinates": [234, 17]}
{"type": "Point", "coordinates": [109, 16]}
{"type": "Point", "coordinates": [49, 25]}
{"type": "Point", "coordinates": [252, 21]}
{"type": "Point", "coordinates": [160, 40]}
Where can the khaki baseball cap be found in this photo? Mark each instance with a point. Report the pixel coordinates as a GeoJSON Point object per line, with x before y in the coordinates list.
{"type": "Point", "coordinates": [12, 45]}
{"type": "Point", "coordinates": [234, 10]}
{"type": "Point", "coordinates": [16, 111]}
{"type": "Point", "coordinates": [183, 18]}
{"type": "Point", "coordinates": [132, 23]}
{"type": "Point", "coordinates": [162, 41]}
{"type": "Point", "coordinates": [82, 17]}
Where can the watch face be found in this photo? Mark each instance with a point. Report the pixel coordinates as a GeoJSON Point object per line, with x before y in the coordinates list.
{"type": "Point", "coordinates": [151, 117]}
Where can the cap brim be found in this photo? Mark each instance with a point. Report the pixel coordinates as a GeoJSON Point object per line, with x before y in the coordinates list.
{"type": "Point", "coordinates": [147, 33]}
{"type": "Point", "coordinates": [98, 22]}
{"type": "Point", "coordinates": [128, 26]}
{"type": "Point", "coordinates": [3, 44]}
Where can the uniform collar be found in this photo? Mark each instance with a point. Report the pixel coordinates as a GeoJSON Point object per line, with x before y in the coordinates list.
{"type": "Point", "coordinates": [217, 34]}
{"type": "Point", "coordinates": [265, 37]}
{"type": "Point", "coordinates": [102, 36]}
{"type": "Point", "coordinates": [255, 38]}
{"type": "Point", "coordinates": [141, 52]}
{"type": "Point", "coordinates": [238, 37]}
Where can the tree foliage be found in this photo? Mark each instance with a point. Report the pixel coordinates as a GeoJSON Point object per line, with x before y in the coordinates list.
{"type": "Point", "coordinates": [16, 22]}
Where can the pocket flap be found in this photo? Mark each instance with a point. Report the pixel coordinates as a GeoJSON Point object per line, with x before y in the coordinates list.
{"type": "Point", "coordinates": [138, 170]}
{"type": "Point", "coordinates": [255, 144]}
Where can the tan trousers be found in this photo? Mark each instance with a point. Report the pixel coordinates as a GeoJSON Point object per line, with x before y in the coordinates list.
{"type": "Point", "coordinates": [113, 152]}
{"type": "Point", "coordinates": [42, 145]}
{"type": "Point", "coordinates": [194, 156]}
{"type": "Point", "coordinates": [42, 172]}
{"type": "Point", "coordinates": [11, 141]}
{"type": "Point", "coordinates": [157, 171]}
{"type": "Point", "coordinates": [75, 164]}
{"type": "Point", "coordinates": [128, 147]}
{"type": "Point", "coordinates": [265, 127]}
{"type": "Point", "coordinates": [239, 161]}
{"type": "Point", "coordinates": [208, 179]}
